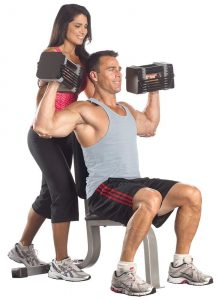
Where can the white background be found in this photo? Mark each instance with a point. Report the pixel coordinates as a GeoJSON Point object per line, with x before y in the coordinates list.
{"type": "Point", "coordinates": [186, 148]}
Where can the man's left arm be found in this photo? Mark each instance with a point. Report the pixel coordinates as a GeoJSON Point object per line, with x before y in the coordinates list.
{"type": "Point", "coordinates": [148, 120]}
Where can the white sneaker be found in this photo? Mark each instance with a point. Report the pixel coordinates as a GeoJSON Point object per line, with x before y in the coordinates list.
{"type": "Point", "coordinates": [66, 269]}
{"type": "Point", "coordinates": [188, 273]}
{"type": "Point", "coordinates": [131, 284]}
{"type": "Point", "coordinates": [26, 255]}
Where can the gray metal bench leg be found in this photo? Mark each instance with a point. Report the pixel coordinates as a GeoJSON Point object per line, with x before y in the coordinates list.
{"type": "Point", "coordinates": [94, 246]}
{"type": "Point", "coordinates": [151, 259]}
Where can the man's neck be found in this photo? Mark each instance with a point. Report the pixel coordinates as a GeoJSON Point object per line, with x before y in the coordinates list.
{"type": "Point", "coordinates": [107, 99]}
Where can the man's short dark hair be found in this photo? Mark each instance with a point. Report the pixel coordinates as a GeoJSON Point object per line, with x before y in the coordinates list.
{"type": "Point", "coordinates": [94, 59]}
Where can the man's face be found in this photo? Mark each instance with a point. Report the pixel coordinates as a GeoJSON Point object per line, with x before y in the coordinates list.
{"type": "Point", "coordinates": [109, 74]}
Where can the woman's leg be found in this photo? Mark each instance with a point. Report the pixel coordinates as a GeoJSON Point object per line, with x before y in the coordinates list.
{"type": "Point", "coordinates": [34, 223]}
{"type": "Point", "coordinates": [79, 168]}
{"type": "Point", "coordinates": [54, 158]}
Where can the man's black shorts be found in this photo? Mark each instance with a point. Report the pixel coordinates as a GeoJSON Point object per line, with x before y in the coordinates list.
{"type": "Point", "coordinates": [113, 198]}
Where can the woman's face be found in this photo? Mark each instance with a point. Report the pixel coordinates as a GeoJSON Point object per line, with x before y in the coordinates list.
{"type": "Point", "coordinates": [77, 30]}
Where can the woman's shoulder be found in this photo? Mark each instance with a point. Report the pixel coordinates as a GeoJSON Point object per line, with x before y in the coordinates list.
{"type": "Point", "coordinates": [52, 49]}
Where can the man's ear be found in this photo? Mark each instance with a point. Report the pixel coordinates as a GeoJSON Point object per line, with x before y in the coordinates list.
{"type": "Point", "coordinates": [93, 76]}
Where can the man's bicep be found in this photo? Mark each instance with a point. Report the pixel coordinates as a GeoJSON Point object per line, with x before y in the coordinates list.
{"type": "Point", "coordinates": [144, 126]}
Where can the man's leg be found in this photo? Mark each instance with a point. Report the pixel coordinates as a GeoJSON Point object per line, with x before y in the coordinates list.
{"type": "Point", "coordinates": [188, 199]}
{"type": "Point", "coordinates": [146, 203]}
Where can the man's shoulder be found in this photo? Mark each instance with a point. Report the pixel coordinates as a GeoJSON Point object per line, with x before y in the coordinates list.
{"type": "Point", "coordinates": [129, 106]}
{"type": "Point", "coordinates": [81, 105]}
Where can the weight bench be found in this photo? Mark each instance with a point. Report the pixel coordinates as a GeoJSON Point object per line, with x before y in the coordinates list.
{"type": "Point", "coordinates": [93, 224]}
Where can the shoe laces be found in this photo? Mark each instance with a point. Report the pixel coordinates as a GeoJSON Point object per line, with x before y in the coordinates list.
{"type": "Point", "coordinates": [70, 265]}
{"type": "Point", "coordinates": [194, 268]}
{"type": "Point", "coordinates": [135, 278]}
{"type": "Point", "coordinates": [32, 255]}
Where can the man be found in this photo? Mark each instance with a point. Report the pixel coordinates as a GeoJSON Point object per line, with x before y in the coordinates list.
{"type": "Point", "coordinates": [107, 133]}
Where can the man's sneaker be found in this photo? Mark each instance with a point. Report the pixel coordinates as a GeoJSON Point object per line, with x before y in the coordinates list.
{"type": "Point", "coordinates": [131, 284]}
{"type": "Point", "coordinates": [66, 269]}
{"type": "Point", "coordinates": [26, 255]}
{"type": "Point", "coordinates": [188, 273]}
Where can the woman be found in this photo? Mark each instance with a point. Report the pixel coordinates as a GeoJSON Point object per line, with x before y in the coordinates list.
{"type": "Point", "coordinates": [58, 196]}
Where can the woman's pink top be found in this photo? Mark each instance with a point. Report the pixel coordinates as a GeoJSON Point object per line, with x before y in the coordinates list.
{"type": "Point", "coordinates": [63, 99]}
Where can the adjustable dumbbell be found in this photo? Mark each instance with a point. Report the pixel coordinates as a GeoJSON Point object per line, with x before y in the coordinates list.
{"type": "Point", "coordinates": [149, 78]}
{"type": "Point", "coordinates": [54, 66]}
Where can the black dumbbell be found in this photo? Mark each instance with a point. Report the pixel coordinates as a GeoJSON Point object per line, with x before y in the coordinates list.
{"type": "Point", "coordinates": [149, 78]}
{"type": "Point", "coordinates": [55, 66]}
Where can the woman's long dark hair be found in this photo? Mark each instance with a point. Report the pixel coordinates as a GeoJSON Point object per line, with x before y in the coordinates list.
{"type": "Point", "coordinates": [65, 15]}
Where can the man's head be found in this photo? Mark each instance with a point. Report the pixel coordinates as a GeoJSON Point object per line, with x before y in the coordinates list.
{"type": "Point", "coordinates": [104, 71]}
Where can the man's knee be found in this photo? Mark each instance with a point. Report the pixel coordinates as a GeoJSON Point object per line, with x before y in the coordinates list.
{"type": "Point", "coordinates": [148, 200]}
{"type": "Point", "coordinates": [193, 196]}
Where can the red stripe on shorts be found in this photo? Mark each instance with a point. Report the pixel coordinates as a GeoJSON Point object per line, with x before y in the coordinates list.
{"type": "Point", "coordinates": [115, 195]}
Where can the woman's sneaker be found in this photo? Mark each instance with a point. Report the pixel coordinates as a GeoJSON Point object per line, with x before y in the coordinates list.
{"type": "Point", "coordinates": [26, 255]}
{"type": "Point", "coordinates": [131, 284]}
{"type": "Point", "coordinates": [66, 269]}
{"type": "Point", "coordinates": [188, 273]}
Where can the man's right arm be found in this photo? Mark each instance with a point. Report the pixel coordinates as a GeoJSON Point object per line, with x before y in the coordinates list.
{"type": "Point", "coordinates": [148, 120]}
{"type": "Point", "coordinates": [51, 123]}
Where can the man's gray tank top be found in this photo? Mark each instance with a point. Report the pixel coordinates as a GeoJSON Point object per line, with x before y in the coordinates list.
{"type": "Point", "coordinates": [116, 154]}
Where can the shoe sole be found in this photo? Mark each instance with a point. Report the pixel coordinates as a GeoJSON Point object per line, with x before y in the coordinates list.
{"type": "Point", "coordinates": [62, 277]}
{"type": "Point", "coordinates": [182, 280]}
{"type": "Point", "coordinates": [17, 259]}
{"type": "Point", "coordinates": [124, 291]}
